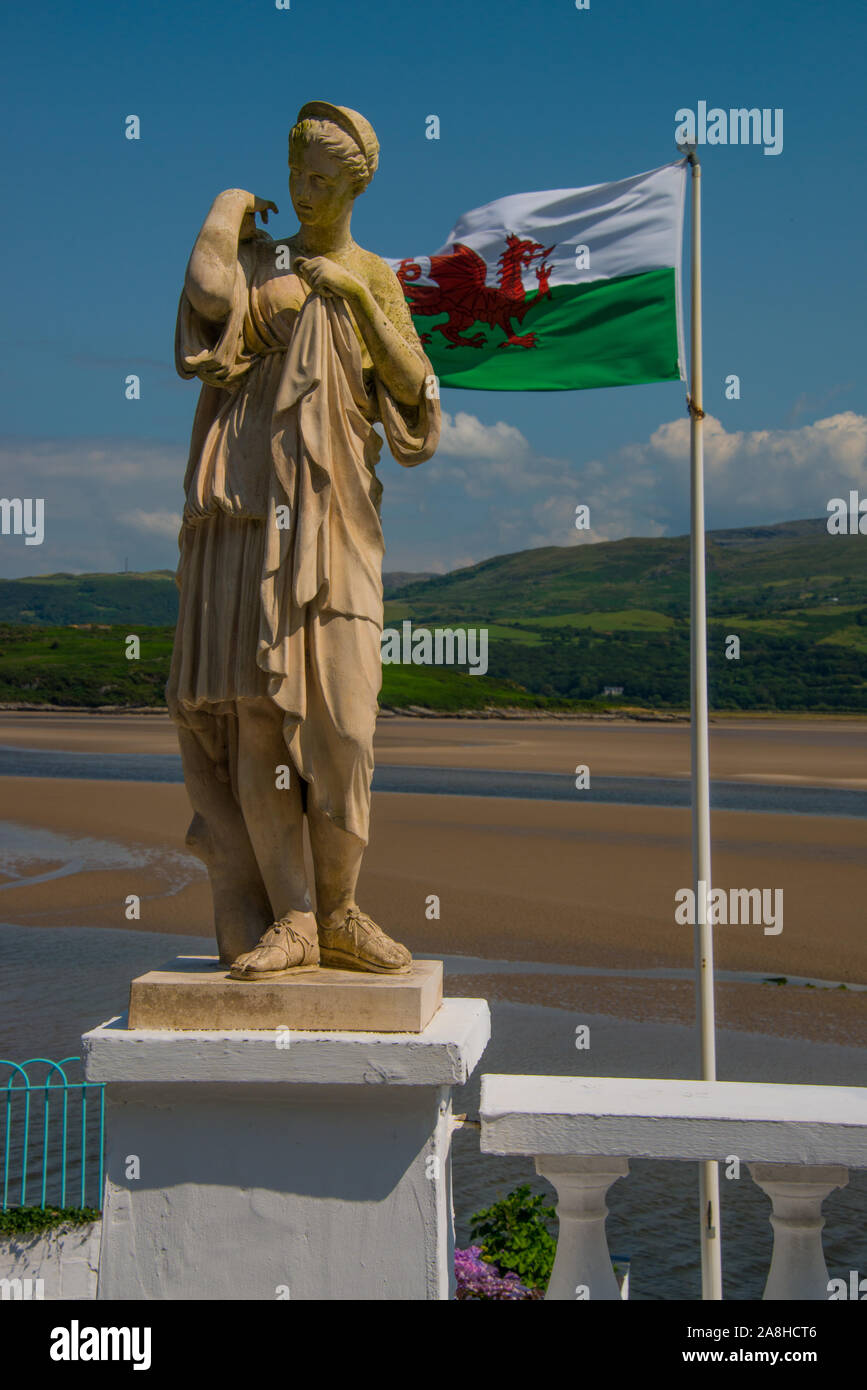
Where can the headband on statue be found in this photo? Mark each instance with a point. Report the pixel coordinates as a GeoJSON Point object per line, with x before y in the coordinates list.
{"type": "Point", "coordinates": [352, 122]}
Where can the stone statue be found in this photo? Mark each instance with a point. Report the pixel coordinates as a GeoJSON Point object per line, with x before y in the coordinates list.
{"type": "Point", "coordinates": [301, 345]}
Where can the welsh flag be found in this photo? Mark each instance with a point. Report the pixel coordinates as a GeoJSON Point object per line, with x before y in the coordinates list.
{"type": "Point", "coordinates": [557, 291]}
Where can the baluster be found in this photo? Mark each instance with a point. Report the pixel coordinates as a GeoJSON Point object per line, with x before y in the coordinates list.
{"type": "Point", "coordinates": [797, 1191]}
{"type": "Point", "coordinates": [582, 1259]}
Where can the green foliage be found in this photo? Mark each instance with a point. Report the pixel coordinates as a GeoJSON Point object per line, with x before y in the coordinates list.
{"type": "Point", "coordinates": [83, 666]}
{"type": "Point", "coordinates": [445, 689]}
{"type": "Point", "coordinates": [514, 1235]}
{"type": "Point", "coordinates": [87, 667]}
{"type": "Point", "coordinates": [792, 670]}
{"type": "Point", "coordinates": [29, 1221]}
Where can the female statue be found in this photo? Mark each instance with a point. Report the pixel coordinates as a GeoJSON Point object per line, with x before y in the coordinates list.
{"type": "Point", "coordinates": [301, 346]}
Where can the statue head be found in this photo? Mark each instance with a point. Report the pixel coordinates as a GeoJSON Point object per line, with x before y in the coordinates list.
{"type": "Point", "coordinates": [333, 155]}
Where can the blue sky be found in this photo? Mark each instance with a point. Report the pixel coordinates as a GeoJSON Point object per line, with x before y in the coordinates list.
{"type": "Point", "coordinates": [530, 96]}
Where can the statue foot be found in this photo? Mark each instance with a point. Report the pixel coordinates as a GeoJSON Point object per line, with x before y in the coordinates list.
{"type": "Point", "coordinates": [357, 943]}
{"type": "Point", "coordinates": [282, 950]}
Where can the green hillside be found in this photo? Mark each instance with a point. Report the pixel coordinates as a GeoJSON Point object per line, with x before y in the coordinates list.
{"type": "Point", "coordinates": [63, 599]}
{"type": "Point", "coordinates": [563, 623]}
{"type": "Point", "coordinates": [762, 571]}
{"type": "Point", "coordinates": [152, 599]}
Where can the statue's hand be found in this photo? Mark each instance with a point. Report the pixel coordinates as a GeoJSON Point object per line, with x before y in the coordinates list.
{"type": "Point", "coordinates": [326, 277]}
{"type": "Point", "coordinates": [261, 205]}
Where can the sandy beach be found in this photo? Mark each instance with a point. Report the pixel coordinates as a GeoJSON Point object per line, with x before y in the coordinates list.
{"type": "Point", "coordinates": [828, 752]}
{"type": "Point", "coordinates": [561, 884]}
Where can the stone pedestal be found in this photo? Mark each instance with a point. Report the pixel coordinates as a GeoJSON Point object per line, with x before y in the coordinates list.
{"type": "Point", "coordinates": [280, 1164]}
{"type": "Point", "coordinates": [197, 992]}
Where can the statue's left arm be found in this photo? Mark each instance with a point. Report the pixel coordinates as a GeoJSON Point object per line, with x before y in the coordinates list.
{"type": "Point", "coordinates": [386, 326]}
{"type": "Point", "coordinates": [383, 319]}
{"type": "Point", "coordinates": [405, 381]}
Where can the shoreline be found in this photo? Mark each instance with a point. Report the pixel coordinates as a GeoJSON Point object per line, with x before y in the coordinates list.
{"type": "Point", "coordinates": [515, 713]}
{"type": "Point", "coordinates": [757, 1011]}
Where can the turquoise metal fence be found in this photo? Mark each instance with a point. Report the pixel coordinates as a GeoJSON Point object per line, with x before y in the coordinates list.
{"type": "Point", "coordinates": [58, 1121]}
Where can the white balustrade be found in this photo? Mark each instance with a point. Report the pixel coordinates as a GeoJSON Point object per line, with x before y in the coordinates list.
{"type": "Point", "coordinates": [582, 1184]}
{"type": "Point", "coordinates": [798, 1142]}
{"type": "Point", "coordinates": [798, 1268]}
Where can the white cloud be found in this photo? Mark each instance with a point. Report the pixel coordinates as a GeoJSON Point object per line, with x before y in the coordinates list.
{"type": "Point", "coordinates": [466, 436]}
{"type": "Point", "coordinates": [105, 460]}
{"type": "Point", "coordinates": [154, 523]}
{"type": "Point", "coordinates": [770, 475]}
{"type": "Point", "coordinates": [107, 501]}
{"type": "Point", "coordinates": [521, 499]}
{"type": "Point", "coordinates": [486, 491]}
{"type": "Point", "coordinates": [500, 459]}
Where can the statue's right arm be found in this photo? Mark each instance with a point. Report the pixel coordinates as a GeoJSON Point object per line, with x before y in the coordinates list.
{"type": "Point", "coordinates": [210, 277]}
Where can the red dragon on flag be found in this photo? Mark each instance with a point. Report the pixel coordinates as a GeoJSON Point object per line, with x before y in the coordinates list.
{"type": "Point", "coordinates": [461, 292]}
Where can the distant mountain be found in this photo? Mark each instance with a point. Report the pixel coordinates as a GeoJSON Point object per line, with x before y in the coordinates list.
{"type": "Point", "coordinates": [757, 570]}
{"type": "Point", "coordinates": [392, 580]}
{"type": "Point", "coordinates": [151, 599]}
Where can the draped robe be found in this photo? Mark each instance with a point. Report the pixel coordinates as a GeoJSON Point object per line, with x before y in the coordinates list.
{"type": "Point", "coordinates": [280, 574]}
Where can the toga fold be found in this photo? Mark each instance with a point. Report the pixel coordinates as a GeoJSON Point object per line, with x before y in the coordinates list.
{"type": "Point", "coordinates": [281, 546]}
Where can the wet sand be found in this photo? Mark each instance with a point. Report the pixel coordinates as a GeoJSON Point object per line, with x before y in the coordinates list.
{"type": "Point", "coordinates": [827, 752]}
{"type": "Point", "coordinates": [516, 880]}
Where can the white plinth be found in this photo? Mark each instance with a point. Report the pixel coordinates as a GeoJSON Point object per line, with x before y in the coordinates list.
{"type": "Point", "coordinates": [317, 1170]}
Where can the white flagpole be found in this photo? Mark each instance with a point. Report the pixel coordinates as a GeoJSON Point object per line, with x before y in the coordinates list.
{"type": "Point", "coordinates": [711, 1261]}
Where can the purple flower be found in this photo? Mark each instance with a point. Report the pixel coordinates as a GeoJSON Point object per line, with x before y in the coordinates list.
{"type": "Point", "coordinates": [476, 1279]}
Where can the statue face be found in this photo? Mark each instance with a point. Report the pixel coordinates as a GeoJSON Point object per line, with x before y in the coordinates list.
{"type": "Point", "coordinates": [319, 185]}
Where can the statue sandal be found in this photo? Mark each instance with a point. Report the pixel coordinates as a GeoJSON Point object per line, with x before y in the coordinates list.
{"type": "Point", "coordinates": [357, 943]}
{"type": "Point", "coordinates": [282, 950]}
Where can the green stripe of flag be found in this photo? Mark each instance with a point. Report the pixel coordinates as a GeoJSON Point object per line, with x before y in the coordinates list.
{"type": "Point", "coordinates": [615, 332]}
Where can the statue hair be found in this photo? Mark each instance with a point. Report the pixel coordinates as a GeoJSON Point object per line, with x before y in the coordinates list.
{"type": "Point", "coordinates": [337, 142]}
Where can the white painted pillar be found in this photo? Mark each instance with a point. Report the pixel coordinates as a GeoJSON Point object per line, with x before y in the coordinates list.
{"type": "Point", "coordinates": [582, 1267]}
{"type": "Point", "coordinates": [277, 1166]}
{"type": "Point", "coordinates": [797, 1191]}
